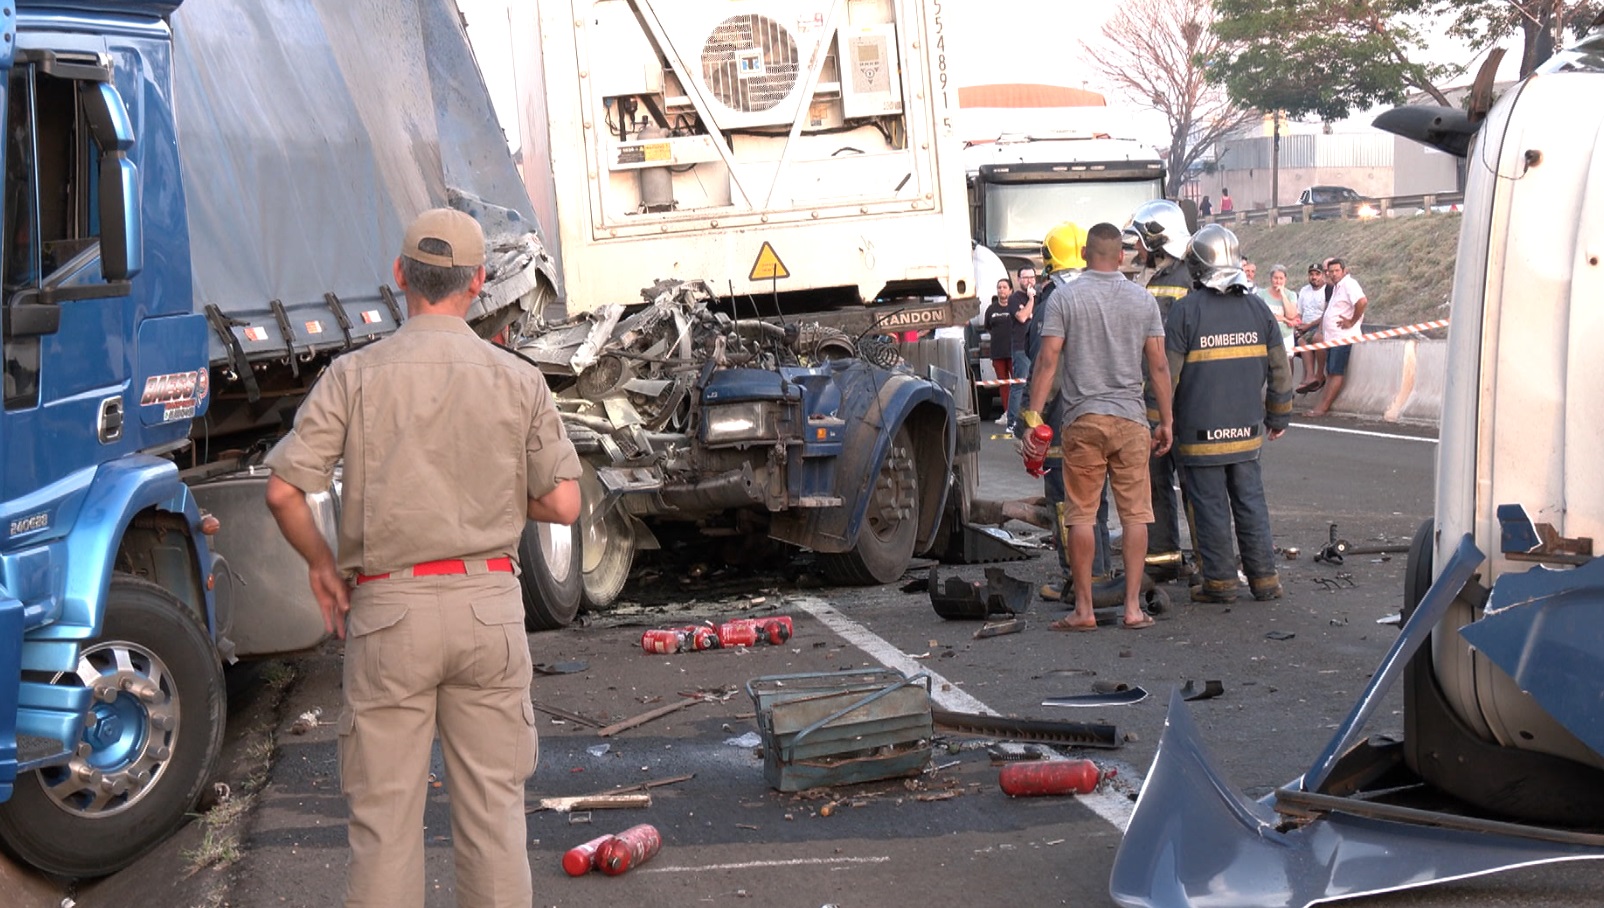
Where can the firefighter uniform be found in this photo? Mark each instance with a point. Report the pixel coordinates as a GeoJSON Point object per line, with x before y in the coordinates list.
{"type": "Point", "coordinates": [1164, 535]}
{"type": "Point", "coordinates": [1233, 382]}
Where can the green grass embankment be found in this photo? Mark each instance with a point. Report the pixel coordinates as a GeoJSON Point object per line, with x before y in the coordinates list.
{"type": "Point", "coordinates": [1405, 264]}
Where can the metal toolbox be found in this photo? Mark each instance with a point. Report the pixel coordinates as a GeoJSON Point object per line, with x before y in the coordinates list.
{"type": "Point", "coordinates": [836, 728]}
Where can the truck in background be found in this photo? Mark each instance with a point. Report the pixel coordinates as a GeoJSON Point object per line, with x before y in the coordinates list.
{"type": "Point", "coordinates": [1023, 185]}
{"type": "Point", "coordinates": [748, 197]}
{"type": "Point", "coordinates": [202, 202]}
{"type": "Point", "coordinates": [1500, 656]}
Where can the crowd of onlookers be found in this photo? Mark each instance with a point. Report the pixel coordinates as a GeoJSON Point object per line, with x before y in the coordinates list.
{"type": "Point", "coordinates": [1329, 308]}
{"type": "Point", "coordinates": [1301, 314]}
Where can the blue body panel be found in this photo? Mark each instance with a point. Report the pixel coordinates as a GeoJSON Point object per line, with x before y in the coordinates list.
{"type": "Point", "coordinates": [69, 488]}
{"type": "Point", "coordinates": [842, 418]}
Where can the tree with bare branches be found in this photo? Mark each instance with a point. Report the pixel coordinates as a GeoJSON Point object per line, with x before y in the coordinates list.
{"type": "Point", "coordinates": [1153, 52]}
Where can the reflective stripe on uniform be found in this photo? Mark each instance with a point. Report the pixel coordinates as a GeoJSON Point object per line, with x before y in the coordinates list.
{"type": "Point", "coordinates": [1256, 351]}
{"type": "Point", "coordinates": [1213, 448]}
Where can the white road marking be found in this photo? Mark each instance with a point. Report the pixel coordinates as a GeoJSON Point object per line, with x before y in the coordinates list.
{"type": "Point", "coordinates": [752, 865]}
{"type": "Point", "coordinates": [1112, 806]}
{"type": "Point", "coordinates": [1342, 431]}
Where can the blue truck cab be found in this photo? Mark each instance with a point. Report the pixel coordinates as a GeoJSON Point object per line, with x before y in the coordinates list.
{"type": "Point", "coordinates": [202, 203]}
{"type": "Point", "coordinates": [105, 369]}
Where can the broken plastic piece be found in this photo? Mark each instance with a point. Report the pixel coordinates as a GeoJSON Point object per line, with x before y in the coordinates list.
{"type": "Point", "coordinates": [1000, 594]}
{"type": "Point", "coordinates": [1122, 696]}
{"type": "Point", "coordinates": [1211, 689]}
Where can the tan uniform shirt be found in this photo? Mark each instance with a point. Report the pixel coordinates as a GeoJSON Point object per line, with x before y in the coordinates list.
{"type": "Point", "coordinates": [444, 438]}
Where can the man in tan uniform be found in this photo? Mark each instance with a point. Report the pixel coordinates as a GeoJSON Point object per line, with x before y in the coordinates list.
{"type": "Point", "coordinates": [448, 444]}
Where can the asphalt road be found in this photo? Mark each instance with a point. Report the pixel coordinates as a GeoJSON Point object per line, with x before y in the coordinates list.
{"type": "Point", "coordinates": [1290, 671]}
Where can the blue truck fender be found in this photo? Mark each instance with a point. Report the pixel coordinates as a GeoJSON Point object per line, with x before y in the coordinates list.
{"type": "Point", "coordinates": [872, 419]}
{"type": "Point", "coordinates": [120, 491]}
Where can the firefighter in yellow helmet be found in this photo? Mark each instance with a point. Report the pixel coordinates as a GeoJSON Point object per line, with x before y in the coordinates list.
{"type": "Point", "coordinates": [1062, 259]}
{"type": "Point", "coordinates": [1061, 249]}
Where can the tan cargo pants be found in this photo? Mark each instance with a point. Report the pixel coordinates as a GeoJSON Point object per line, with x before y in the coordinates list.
{"type": "Point", "coordinates": [448, 654]}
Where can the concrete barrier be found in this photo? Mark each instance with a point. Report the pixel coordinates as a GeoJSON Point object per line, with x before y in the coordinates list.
{"type": "Point", "coordinates": [1396, 380]}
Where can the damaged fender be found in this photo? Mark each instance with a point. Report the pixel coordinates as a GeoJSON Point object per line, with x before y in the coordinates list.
{"type": "Point", "coordinates": [1196, 840]}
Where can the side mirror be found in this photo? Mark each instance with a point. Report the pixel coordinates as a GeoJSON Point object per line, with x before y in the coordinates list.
{"type": "Point", "coordinates": [122, 246]}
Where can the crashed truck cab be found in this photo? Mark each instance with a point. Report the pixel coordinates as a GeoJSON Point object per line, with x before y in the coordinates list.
{"type": "Point", "coordinates": [1501, 653]}
{"type": "Point", "coordinates": [698, 427]}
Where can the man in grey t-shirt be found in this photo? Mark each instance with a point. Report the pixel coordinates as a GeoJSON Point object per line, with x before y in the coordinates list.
{"type": "Point", "coordinates": [1097, 332]}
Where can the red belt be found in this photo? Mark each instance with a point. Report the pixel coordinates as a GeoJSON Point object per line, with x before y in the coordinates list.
{"type": "Point", "coordinates": [444, 566]}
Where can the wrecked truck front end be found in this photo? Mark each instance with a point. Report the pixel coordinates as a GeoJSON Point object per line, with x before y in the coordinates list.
{"type": "Point", "coordinates": [690, 421]}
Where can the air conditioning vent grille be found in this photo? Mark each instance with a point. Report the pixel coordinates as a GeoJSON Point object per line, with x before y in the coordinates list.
{"type": "Point", "coordinates": [750, 63]}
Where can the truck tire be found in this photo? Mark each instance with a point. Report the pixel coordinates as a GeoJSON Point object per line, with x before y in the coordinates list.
{"type": "Point", "coordinates": [1417, 570]}
{"type": "Point", "coordinates": [606, 543]}
{"type": "Point", "coordinates": [159, 711]}
{"type": "Point", "coordinates": [549, 554]}
{"type": "Point", "coordinates": [890, 527]}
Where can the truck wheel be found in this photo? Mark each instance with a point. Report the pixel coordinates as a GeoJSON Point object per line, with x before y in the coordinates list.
{"type": "Point", "coordinates": [549, 554]}
{"type": "Point", "coordinates": [606, 543]}
{"type": "Point", "coordinates": [1417, 570]}
{"type": "Point", "coordinates": [153, 742]}
{"type": "Point", "coordinates": [885, 541]}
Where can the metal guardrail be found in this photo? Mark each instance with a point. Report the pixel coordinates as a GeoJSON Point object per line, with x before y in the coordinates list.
{"type": "Point", "coordinates": [1385, 207]}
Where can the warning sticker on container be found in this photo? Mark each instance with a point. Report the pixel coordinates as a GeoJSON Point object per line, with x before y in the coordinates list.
{"type": "Point", "coordinates": [768, 266]}
{"type": "Point", "coordinates": [255, 333]}
{"type": "Point", "coordinates": [370, 316]}
{"type": "Point", "coordinates": [658, 151]}
{"type": "Point", "coordinates": [314, 327]}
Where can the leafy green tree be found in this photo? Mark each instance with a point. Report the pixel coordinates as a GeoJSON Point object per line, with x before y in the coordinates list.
{"type": "Point", "coordinates": [1542, 24]}
{"type": "Point", "coordinates": [1325, 58]}
{"type": "Point", "coordinates": [1153, 52]}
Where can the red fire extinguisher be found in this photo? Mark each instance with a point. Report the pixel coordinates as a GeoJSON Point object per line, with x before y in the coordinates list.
{"type": "Point", "coordinates": [630, 848]}
{"type": "Point", "coordinates": [663, 640]}
{"type": "Point", "coordinates": [1049, 777]}
{"type": "Point", "coordinates": [581, 859]}
{"type": "Point", "coordinates": [752, 631]}
{"type": "Point", "coordinates": [700, 637]}
{"type": "Point", "coordinates": [1038, 441]}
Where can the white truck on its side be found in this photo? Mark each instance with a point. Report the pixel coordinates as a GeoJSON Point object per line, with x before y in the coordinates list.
{"type": "Point", "coordinates": [1500, 658]}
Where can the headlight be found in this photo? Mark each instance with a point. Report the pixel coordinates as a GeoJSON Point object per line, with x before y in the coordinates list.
{"type": "Point", "coordinates": [1368, 210]}
{"type": "Point", "coordinates": [748, 421]}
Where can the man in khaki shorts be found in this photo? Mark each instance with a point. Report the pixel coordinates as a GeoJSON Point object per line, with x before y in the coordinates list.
{"type": "Point", "coordinates": [1099, 329]}
{"type": "Point", "coordinates": [449, 444]}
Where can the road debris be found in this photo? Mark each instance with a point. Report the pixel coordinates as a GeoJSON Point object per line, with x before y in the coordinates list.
{"type": "Point", "coordinates": [999, 628]}
{"type": "Point", "coordinates": [307, 721]}
{"type": "Point", "coordinates": [668, 709]}
{"type": "Point", "coordinates": [750, 739]}
{"type": "Point", "coordinates": [814, 726]}
{"type": "Point", "coordinates": [1211, 689]}
{"type": "Point", "coordinates": [1115, 693]}
{"type": "Point", "coordinates": [564, 714]}
{"type": "Point", "coordinates": [1075, 734]}
{"type": "Point", "coordinates": [998, 594]}
{"type": "Point", "coordinates": [593, 802]}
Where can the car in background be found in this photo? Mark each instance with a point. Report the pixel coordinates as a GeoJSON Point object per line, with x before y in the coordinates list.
{"type": "Point", "coordinates": [1331, 202]}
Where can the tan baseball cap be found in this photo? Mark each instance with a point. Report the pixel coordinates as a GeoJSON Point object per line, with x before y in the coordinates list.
{"type": "Point", "coordinates": [461, 234]}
